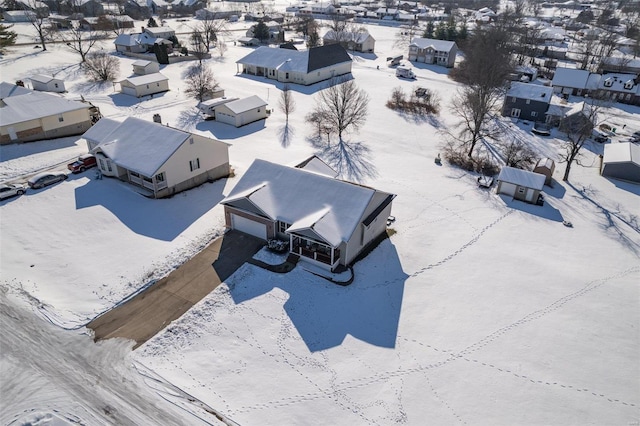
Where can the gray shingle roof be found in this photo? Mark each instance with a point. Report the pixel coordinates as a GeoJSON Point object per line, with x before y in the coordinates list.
{"type": "Point", "coordinates": [299, 61]}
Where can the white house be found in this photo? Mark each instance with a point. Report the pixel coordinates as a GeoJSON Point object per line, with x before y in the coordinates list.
{"type": "Point", "coordinates": [299, 67]}
{"type": "Point", "coordinates": [328, 222]}
{"type": "Point", "coordinates": [144, 85]}
{"type": "Point", "coordinates": [161, 159]}
{"type": "Point", "coordinates": [47, 83]}
{"type": "Point", "coordinates": [241, 111]}
{"type": "Point", "coordinates": [27, 115]}
{"type": "Point", "coordinates": [139, 43]}
{"type": "Point", "coordinates": [142, 67]}
{"type": "Point", "coordinates": [522, 185]}
{"type": "Point", "coordinates": [160, 32]}
{"type": "Point", "coordinates": [356, 41]}
{"type": "Point", "coordinates": [431, 51]}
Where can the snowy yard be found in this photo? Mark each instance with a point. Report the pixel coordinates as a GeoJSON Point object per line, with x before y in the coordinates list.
{"type": "Point", "coordinates": [477, 310]}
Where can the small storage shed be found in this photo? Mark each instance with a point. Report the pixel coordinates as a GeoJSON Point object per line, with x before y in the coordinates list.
{"type": "Point", "coordinates": [546, 167]}
{"type": "Point", "coordinates": [520, 184]}
{"type": "Point", "coordinates": [622, 161]}
{"type": "Point", "coordinates": [249, 41]}
{"type": "Point", "coordinates": [144, 85]}
{"type": "Point", "coordinates": [47, 83]}
{"type": "Point", "coordinates": [142, 67]}
{"type": "Point", "coordinates": [242, 111]}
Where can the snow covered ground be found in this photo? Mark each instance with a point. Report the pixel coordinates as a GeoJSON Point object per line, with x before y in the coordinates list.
{"type": "Point", "coordinates": [478, 310]}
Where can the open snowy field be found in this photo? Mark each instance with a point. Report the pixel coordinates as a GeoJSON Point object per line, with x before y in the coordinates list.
{"type": "Point", "coordinates": [477, 310]}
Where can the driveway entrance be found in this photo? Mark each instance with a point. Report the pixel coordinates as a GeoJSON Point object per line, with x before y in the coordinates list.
{"type": "Point", "coordinates": [147, 313]}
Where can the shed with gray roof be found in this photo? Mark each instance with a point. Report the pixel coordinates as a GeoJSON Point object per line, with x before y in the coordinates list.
{"type": "Point", "coordinates": [520, 184]}
{"type": "Point", "coordinates": [239, 112]}
{"type": "Point", "coordinates": [144, 85]}
{"type": "Point", "coordinates": [622, 161]}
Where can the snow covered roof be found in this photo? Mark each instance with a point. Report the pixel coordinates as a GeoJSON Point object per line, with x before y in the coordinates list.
{"type": "Point", "coordinates": [439, 45]}
{"type": "Point", "coordinates": [8, 89]}
{"type": "Point", "coordinates": [356, 37]}
{"type": "Point", "coordinates": [618, 82]}
{"type": "Point", "coordinates": [531, 91]}
{"type": "Point", "coordinates": [246, 104]}
{"type": "Point", "coordinates": [297, 61]}
{"type": "Point", "coordinates": [41, 78]}
{"type": "Point", "coordinates": [623, 152]}
{"type": "Point", "coordinates": [155, 31]}
{"type": "Point", "coordinates": [331, 208]}
{"type": "Point", "coordinates": [99, 131]}
{"type": "Point", "coordinates": [34, 105]}
{"type": "Point", "coordinates": [140, 80]}
{"type": "Point", "coordinates": [547, 163]}
{"type": "Point", "coordinates": [316, 165]}
{"type": "Point", "coordinates": [141, 146]}
{"type": "Point", "coordinates": [141, 63]}
{"type": "Point", "coordinates": [570, 77]}
{"type": "Point", "coordinates": [521, 178]}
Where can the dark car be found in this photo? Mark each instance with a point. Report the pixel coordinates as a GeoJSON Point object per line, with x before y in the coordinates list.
{"type": "Point", "coordinates": [45, 179]}
{"type": "Point", "coordinates": [83, 163]}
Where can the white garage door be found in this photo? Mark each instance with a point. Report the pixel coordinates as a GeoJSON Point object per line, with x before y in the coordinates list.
{"type": "Point", "coordinates": [129, 91]}
{"type": "Point", "coordinates": [249, 226]}
{"type": "Point", "coordinates": [507, 189]}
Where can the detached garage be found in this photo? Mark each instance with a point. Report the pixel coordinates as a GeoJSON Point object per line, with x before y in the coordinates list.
{"type": "Point", "coordinates": [241, 111]}
{"type": "Point", "coordinates": [144, 85]}
{"type": "Point", "coordinates": [521, 185]}
{"type": "Point", "coordinates": [622, 161]}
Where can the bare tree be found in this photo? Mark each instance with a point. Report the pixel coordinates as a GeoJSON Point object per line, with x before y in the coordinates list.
{"type": "Point", "coordinates": [406, 34]}
{"type": "Point", "coordinates": [80, 41]}
{"type": "Point", "coordinates": [578, 128]}
{"type": "Point", "coordinates": [222, 46]}
{"type": "Point", "coordinates": [101, 66]}
{"type": "Point", "coordinates": [343, 105]}
{"type": "Point", "coordinates": [200, 82]}
{"type": "Point", "coordinates": [198, 45]}
{"type": "Point", "coordinates": [212, 29]}
{"type": "Point", "coordinates": [287, 103]}
{"type": "Point", "coordinates": [517, 154]}
{"type": "Point", "coordinates": [39, 21]}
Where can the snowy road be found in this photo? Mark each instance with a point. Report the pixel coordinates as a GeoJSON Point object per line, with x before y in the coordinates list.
{"type": "Point", "coordinates": [48, 372]}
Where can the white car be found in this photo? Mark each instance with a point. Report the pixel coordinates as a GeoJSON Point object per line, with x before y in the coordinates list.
{"type": "Point", "coordinates": [9, 190]}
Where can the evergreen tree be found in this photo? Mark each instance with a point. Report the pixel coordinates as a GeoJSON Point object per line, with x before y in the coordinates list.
{"type": "Point", "coordinates": [152, 23]}
{"type": "Point", "coordinates": [441, 31]}
{"type": "Point", "coordinates": [161, 53]}
{"type": "Point", "coordinates": [428, 32]}
{"type": "Point", "coordinates": [463, 33]}
{"type": "Point", "coordinates": [313, 39]}
{"type": "Point", "coordinates": [7, 37]}
{"type": "Point", "coordinates": [261, 31]}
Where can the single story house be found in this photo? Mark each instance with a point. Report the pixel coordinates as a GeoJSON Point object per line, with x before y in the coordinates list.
{"type": "Point", "coordinates": [328, 222]}
{"type": "Point", "coordinates": [520, 184]}
{"type": "Point", "coordinates": [144, 85]}
{"type": "Point", "coordinates": [431, 51]}
{"type": "Point", "coordinates": [570, 81]}
{"type": "Point", "coordinates": [527, 101]}
{"type": "Point", "coordinates": [142, 67]}
{"type": "Point", "coordinates": [27, 115]}
{"type": "Point", "coordinates": [47, 83]}
{"type": "Point", "coordinates": [355, 41]}
{"type": "Point", "coordinates": [300, 67]}
{"type": "Point", "coordinates": [139, 43]}
{"type": "Point", "coordinates": [159, 158]}
{"type": "Point", "coordinates": [239, 112]}
{"type": "Point", "coordinates": [621, 161]}
{"type": "Point", "coordinates": [546, 167]}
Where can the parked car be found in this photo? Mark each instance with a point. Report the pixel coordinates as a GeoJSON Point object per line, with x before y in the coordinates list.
{"type": "Point", "coordinates": [45, 179]}
{"type": "Point", "coordinates": [83, 163]}
{"type": "Point", "coordinates": [405, 72]}
{"type": "Point", "coordinates": [9, 190]}
{"type": "Point", "coordinates": [635, 136]}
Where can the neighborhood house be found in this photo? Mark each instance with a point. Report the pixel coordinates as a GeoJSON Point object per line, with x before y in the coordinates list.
{"type": "Point", "coordinates": [622, 161]}
{"type": "Point", "coordinates": [326, 221]}
{"type": "Point", "coordinates": [158, 158]}
{"type": "Point", "coordinates": [239, 112]}
{"type": "Point", "coordinates": [143, 85]}
{"type": "Point", "coordinates": [430, 51]}
{"type": "Point", "coordinates": [527, 101]}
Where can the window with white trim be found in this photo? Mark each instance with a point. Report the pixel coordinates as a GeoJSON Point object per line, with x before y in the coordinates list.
{"type": "Point", "coordinates": [534, 113]}
{"type": "Point", "coordinates": [283, 226]}
{"type": "Point", "coordinates": [194, 164]}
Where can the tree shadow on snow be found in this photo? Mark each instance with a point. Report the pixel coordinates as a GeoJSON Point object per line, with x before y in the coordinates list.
{"type": "Point", "coordinates": [325, 313]}
{"type": "Point", "coordinates": [286, 134]}
{"type": "Point", "coordinates": [352, 160]}
{"type": "Point", "coordinates": [189, 118]}
{"type": "Point", "coordinates": [162, 219]}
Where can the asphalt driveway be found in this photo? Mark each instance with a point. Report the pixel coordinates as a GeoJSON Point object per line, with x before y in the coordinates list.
{"type": "Point", "coordinates": [143, 316]}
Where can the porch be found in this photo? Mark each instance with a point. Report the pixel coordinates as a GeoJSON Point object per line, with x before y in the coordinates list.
{"type": "Point", "coordinates": [314, 250]}
{"type": "Point", "coordinates": [154, 184]}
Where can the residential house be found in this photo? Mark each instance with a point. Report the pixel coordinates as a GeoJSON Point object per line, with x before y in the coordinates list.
{"type": "Point", "coordinates": [144, 85]}
{"type": "Point", "coordinates": [570, 81]}
{"type": "Point", "coordinates": [360, 41]}
{"type": "Point", "coordinates": [18, 15]}
{"type": "Point", "coordinates": [274, 28]}
{"type": "Point", "coordinates": [545, 167]}
{"type": "Point", "coordinates": [387, 13]}
{"type": "Point", "coordinates": [621, 161]}
{"type": "Point", "coordinates": [623, 88]}
{"type": "Point", "coordinates": [521, 184]}
{"type": "Point", "coordinates": [98, 132]}
{"type": "Point", "coordinates": [139, 43]}
{"type": "Point", "coordinates": [39, 8]}
{"type": "Point", "coordinates": [620, 64]}
{"type": "Point", "coordinates": [27, 115]}
{"type": "Point", "coordinates": [47, 83]}
{"type": "Point", "coordinates": [239, 112]}
{"type": "Point", "coordinates": [143, 67]}
{"type": "Point", "coordinates": [431, 51]}
{"type": "Point", "coordinates": [138, 9]}
{"type": "Point", "coordinates": [159, 32]}
{"type": "Point", "coordinates": [249, 41]}
{"type": "Point", "coordinates": [299, 67]}
{"type": "Point", "coordinates": [159, 158]}
{"type": "Point", "coordinates": [208, 107]}
{"type": "Point", "coordinates": [106, 22]}
{"type": "Point", "coordinates": [89, 7]}
{"type": "Point", "coordinates": [527, 101]}
{"type": "Point", "coordinates": [328, 222]}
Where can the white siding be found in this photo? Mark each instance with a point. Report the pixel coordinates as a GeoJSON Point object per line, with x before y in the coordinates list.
{"type": "Point", "coordinates": [507, 189]}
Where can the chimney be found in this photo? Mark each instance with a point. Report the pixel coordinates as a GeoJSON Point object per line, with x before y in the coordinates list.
{"type": "Point", "coordinates": [142, 29]}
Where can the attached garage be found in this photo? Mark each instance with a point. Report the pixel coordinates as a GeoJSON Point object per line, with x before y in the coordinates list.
{"type": "Point", "coordinates": [249, 226]}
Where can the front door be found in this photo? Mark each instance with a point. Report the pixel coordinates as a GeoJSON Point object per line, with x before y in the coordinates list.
{"type": "Point", "coordinates": [515, 112]}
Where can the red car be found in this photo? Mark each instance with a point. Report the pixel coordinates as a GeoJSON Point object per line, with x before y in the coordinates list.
{"type": "Point", "coordinates": [83, 163]}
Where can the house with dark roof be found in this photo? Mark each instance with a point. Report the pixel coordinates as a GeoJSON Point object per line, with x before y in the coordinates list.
{"type": "Point", "coordinates": [298, 67]}
{"type": "Point", "coordinates": [431, 51]}
{"type": "Point", "coordinates": [158, 158]}
{"type": "Point", "coordinates": [527, 101]}
{"type": "Point", "coordinates": [328, 222]}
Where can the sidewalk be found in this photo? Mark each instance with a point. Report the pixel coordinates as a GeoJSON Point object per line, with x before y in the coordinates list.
{"type": "Point", "coordinates": [149, 312]}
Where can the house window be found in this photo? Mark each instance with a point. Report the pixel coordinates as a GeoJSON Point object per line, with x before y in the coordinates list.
{"type": "Point", "coordinates": [528, 101]}
{"type": "Point", "coordinates": [147, 86]}
{"type": "Point", "coordinates": [102, 166]}
{"type": "Point", "coordinates": [520, 190]}
{"type": "Point", "coordinates": [513, 99]}
{"type": "Point", "coordinates": [134, 174]}
{"type": "Point", "coordinates": [160, 177]}
{"type": "Point", "coordinates": [60, 118]}
{"type": "Point", "coordinates": [515, 112]}
{"type": "Point", "coordinates": [286, 75]}
{"type": "Point", "coordinates": [56, 85]}
{"type": "Point", "coordinates": [194, 164]}
{"type": "Point", "coordinates": [534, 113]}
{"type": "Point", "coordinates": [608, 82]}
{"type": "Point", "coordinates": [283, 226]}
